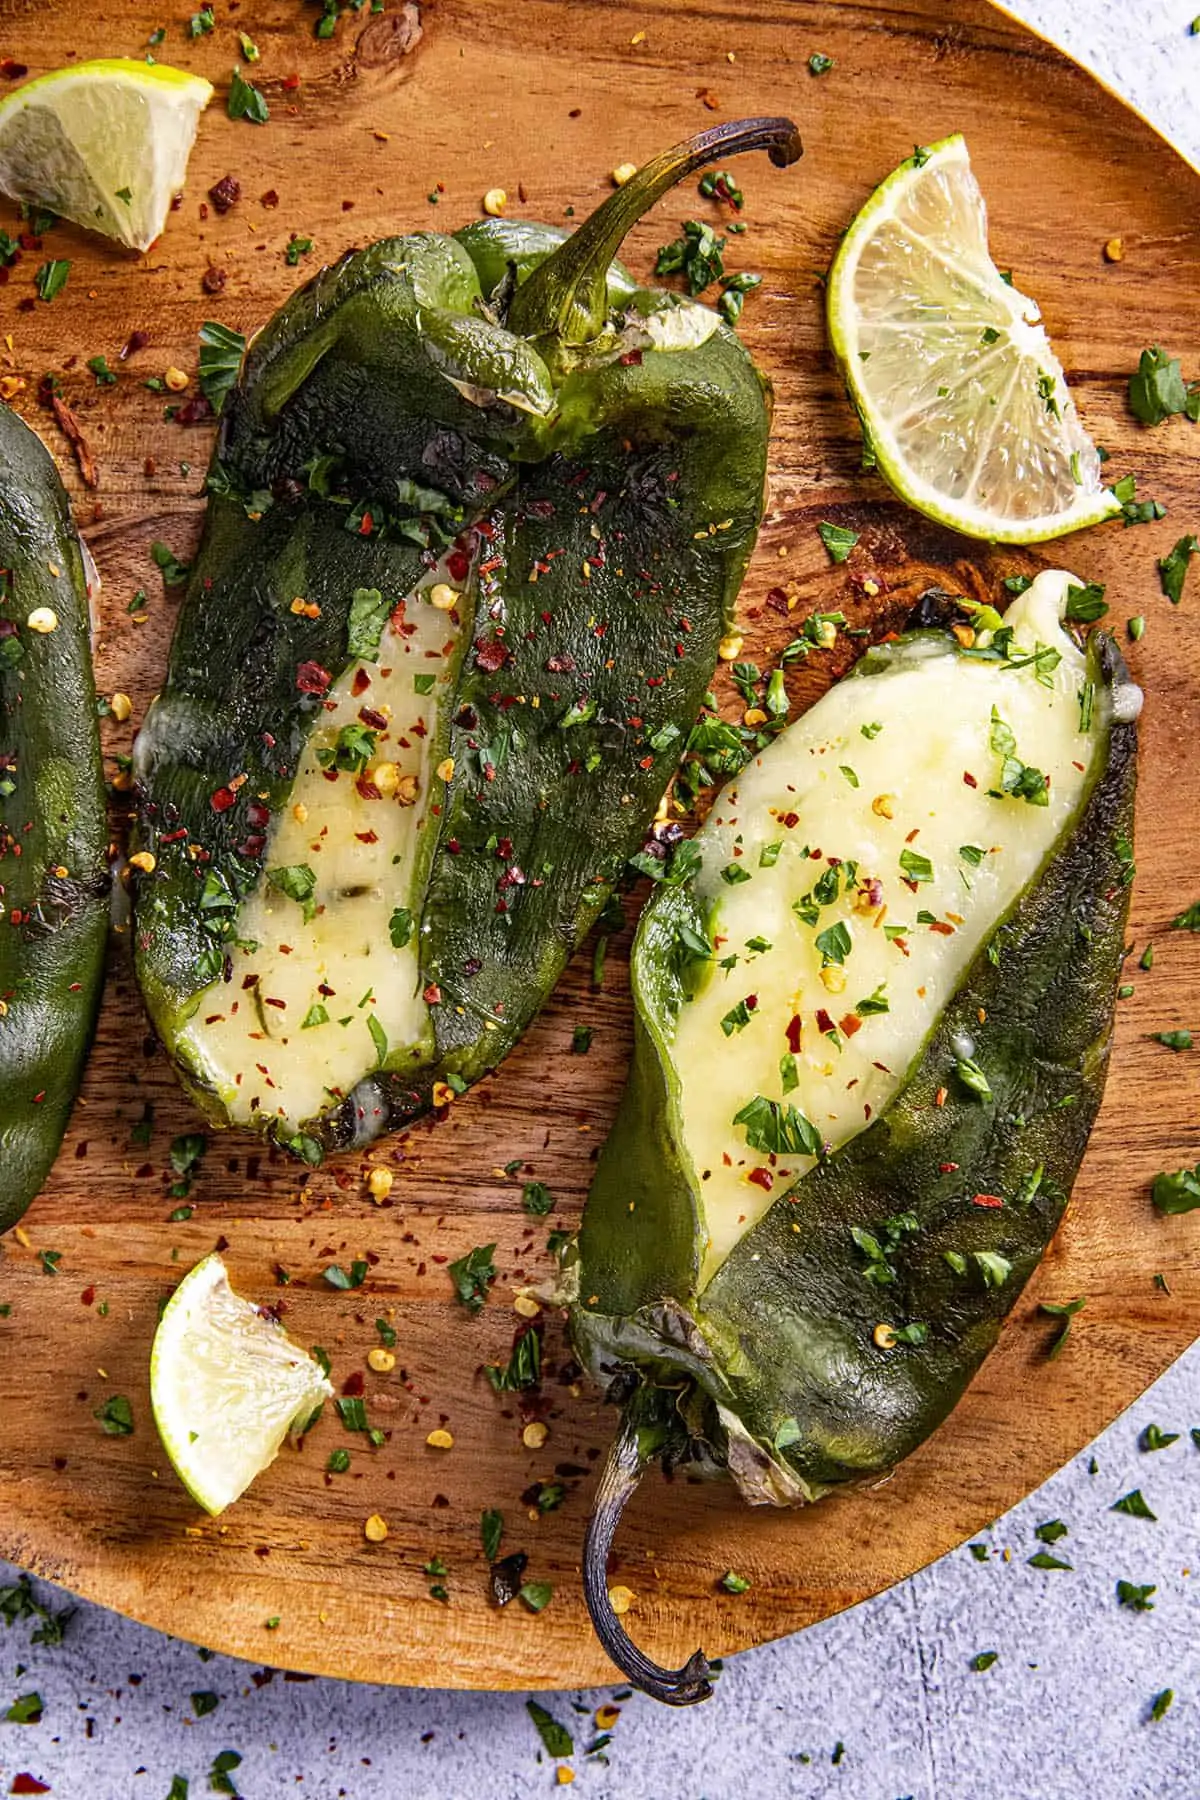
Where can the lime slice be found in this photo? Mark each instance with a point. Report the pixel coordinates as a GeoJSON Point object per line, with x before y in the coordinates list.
{"type": "Point", "coordinates": [226, 1384]}
{"type": "Point", "coordinates": [962, 400]}
{"type": "Point", "coordinates": [104, 143]}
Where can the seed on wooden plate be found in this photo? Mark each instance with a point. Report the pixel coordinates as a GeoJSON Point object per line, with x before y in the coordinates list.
{"type": "Point", "coordinates": [535, 1435]}
{"type": "Point", "coordinates": [440, 1439]}
{"type": "Point", "coordinates": [120, 707]}
{"type": "Point", "coordinates": [443, 1093]}
{"type": "Point", "coordinates": [175, 379]}
{"type": "Point", "coordinates": [622, 173]}
{"type": "Point", "coordinates": [621, 1599]}
{"type": "Point", "coordinates": [494, 202]}
{"type": "Point", "coordinates": [379, 1183]}
{"type": "Point", "coordinates": [527, 1306]}
{"type": "Point", "coordinates": [381, 1360]}
{"type": "Point", "coordinates": [1114, 250]}
{"type": "Point", "coordinates": [375, 1529]}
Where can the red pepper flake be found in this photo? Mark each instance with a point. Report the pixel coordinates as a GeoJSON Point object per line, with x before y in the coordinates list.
{"type": "Point", "coordinates": [354, 1385]}
{"type": "Point", "coordinates": [762, 1178]}
{"type": "Point", "coordinates": [939, 1099]}
{"type": "Point", "coordinates": [226, 193]}
{"type": "Point", "coordinates": [213, 279]}
{"type": "Point", "coordinates": [223, 799]}
{"type": "Point", "coordinates": [824, 1022]}
{"type": "Point", "coordinates": [137, 340]}
{"type": "Point", "coordinates": [311, 678]}
{"type": "Point", "coordinates": [631, 359]}
{"type": "Point", "coordinates": [14, 71]}
{"type": "Point", "coordinates": [361, 682]}
{"type": "Point", "coordinates": [367, 837]}
{"type": "Point", "coordinates": [269, 199]}
{"type": "Point", "coordinates": [942, 928]}
{"type": "Point", "coordinates": [794, 1033]}
{"type": "Point", "coordinates": [24, 1783]}
{"type": "Point", "coordinates": [88, 1296]}
{"type": "Point", "coordinates": [849, 1025]}
{"type": "Point", "coordinates": [290, 84]}
{"type": "Point", "coordinates": [367, 526]}
{"type": "Point", "coordinates": [969, 779]}
{"type": "Point", "coordinates": [992, 1200]}
{"type": "Point", "coordinates": [458, 565]}
{"type": "Point", "coordinates": [432, 994]}
{"type": "Point", "coordinates": [376, 720]}
{"type": "Point", "coordinates": [947, 1168]}
{"type": "Point", "coordinates": [269, 1001]}
{"type": "Point", "coordinates": [491, 655]}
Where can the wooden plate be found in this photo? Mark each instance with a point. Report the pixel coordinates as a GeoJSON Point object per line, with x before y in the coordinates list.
{"type": "Point", "coordinates": [544, 99]}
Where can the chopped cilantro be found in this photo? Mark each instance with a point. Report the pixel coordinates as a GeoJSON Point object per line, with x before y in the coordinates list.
{"type": "Point", "coordinates": [537, 1199]}
{"type": "Point", "coordinates": [221, 353]}
{"type": "Point", "coordinates": [556, 1739]}
{"type": "Point", "coordinates": [733, 1583]}
{"type": "Point", "coordinates": [472, 1275]}
{"type": "Point", "coordinates": [778, 1130]}
{"type": "Point", "coordinates": [115, 1416]}
{"type": "Point", "coordinates": [245, 101]}
{"type": "Point", "coordinates": [1137, 1599]}
{"type": "Point", "coordinates": [1134, 1505]}
{"type": "Point", "coordinates": [838, 541]}
{"type": "Point", "coordinates": [1173, 568]}
{"type": "Point", "coordinates": [51, 278]}
{"type": "Point", "coordinates": [491, 1531]}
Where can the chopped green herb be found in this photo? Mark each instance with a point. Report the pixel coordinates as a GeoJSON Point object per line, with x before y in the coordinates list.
{"type": "Point", "coordinates": [819, 63]}
{"type": "Point", "coordinates": [1178, 1192]}
{"type": "Point", "coordinates": [205, 1702]}
{"type": "Point", "coordinates": [917, 868]}
{"type": "Point", "coordinates": [537, 1199]}
{"type": "Point", "coordinates": [1173, 568]}
{"type": "Point", "coordinates": [1154, 1438]}
{"type": "Point", "coordinates": [339, 1462]}
{"type": "Point", "coordinates": [1137, 1599]}
{"type": "Point", "coordinates": [556, 1739]}
{"type": "Point", "coordinates": [297, 882]}
{"type": "Point", "coordinates": [973, 1077]}
{"type": "Point", "coordinates": [1085, 604]}
{"type": "Point", "coordinates": [1064, 1310]}
{"type": "Point", "coordinates": [1133, 1504]}
{"type": "Point", "coordinates": [472, 1275]}
{"type": "Point", "coordinates": [733, 1583]}
{"type": "Point", "coordinates": [51, 278]}
{"type": "Point", "coordinates": [221, 352]}
{"type": "Point", "coordinates": [984, 1660]}
{"type": "Point", "coordinates": [174, 572]}
{"type": "Point", "coordinates": [25, 1711]}
{"type": "Point", "coordinates": [1044, 1559]}
{"type": "Point", "coordinates": [778, 1130]}
{"type": "Point", "coordinates": [994, 1268]}
{"type": "Point", "coordinates": [338, 1278]}
{"type": "Point", "coordinates": [491, 1531]}
{"type": "Point", "coordinates": [297, 247]}
{"type": "Point", "coordinates": [696, 255]}
{"type": "Point", "coordinates": [1160, 1706]}
{"type": "Point", "coordinates": [848, 772]}
{"type": "Point", "coordinates": [1158, 390]}
{"type": "Point", "coordinates": [1174, 1040]}
{"type": "Point", "coordinates": [733, 873]}
{"type": "Point", "coordinates": [1051, 1531]}
{"type": "Point", "coordinates": [245, 101]}
{"type": "Point", "coordinates": [115, 1416]}
{"type": "Point", "coordinates": [838, 541]}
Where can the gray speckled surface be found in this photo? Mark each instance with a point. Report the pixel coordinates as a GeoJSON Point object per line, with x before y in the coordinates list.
{"type": "Point", "coordinates": [1063, 1713]}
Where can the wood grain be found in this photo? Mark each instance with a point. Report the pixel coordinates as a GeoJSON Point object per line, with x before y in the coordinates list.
{"type": "Point", "coordinates": [544, 99]}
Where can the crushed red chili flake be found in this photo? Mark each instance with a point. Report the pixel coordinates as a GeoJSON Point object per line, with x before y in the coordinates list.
{"type": "Point", "coordinates": [223, 799]}
{"type": "Point", "coordinates": [213, 279]}
{"type": "Point", "coordinates": [631, 359]}
{"type": "Point", "coordinates": [311, 678]}
{"type": "Point", "coordinates": [794, 1033]}
{"type": "Point", "coordinates": [992, 1200]}
{"type": "Point", "coordinates": [88, 1296]}
{"type": "Point", "coordinates": [969, 779]}
{"type": "Point", "coordinates": [947, 1168]}
{"type": "Point", "coordinates": [367, 526]}
{"type": "Point", "coordinates": [225, 193]}
{"type": "Point", "coordinates": [491, 655]}
{"type": "Point", "coordinates": [824, 1022]}
{"type": "Point", "coordinates": [458, 565]}
{"type": "Point", "coordinates": [269, 199]}
{"type": "Point", "coordinates": [24, 1783]}
{"type": "Point", "coordinates": [762, 1178]}
{"type": "Point", "coordinates": [13, 71]}
{"type": "Point", "coordinates": [354, 1384]}
{"type": "Point", "coordinates": [432, 994]}
{"type": "Point", "coordinates": [137, 340]}
{"type": "Point", "coordinates": [196, 411]}
{"type": "Point", "coordinates": [849, 1025]}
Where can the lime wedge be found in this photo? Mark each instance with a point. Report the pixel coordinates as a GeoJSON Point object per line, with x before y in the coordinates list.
{"type": "Point", "coordinates": [963, 403]}
{"type": "Point", "coordinates": [226, 1384]}
{"type": "Point", "coordinates": [104, 143]}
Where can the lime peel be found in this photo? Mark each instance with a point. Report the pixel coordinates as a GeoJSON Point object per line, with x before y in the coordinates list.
{"type": "Point", "coordinates": [104, 143]}
{"type": "Point", "coordinates": [226, 1385]}
{"type": "Point", "coordinates": [964, 406]}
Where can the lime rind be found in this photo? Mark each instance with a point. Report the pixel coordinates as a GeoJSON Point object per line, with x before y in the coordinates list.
{"type": "Point", "coordinates": [105, 144]}
{"type": "Point", "coordinates": [961, 396]}
{"type": "Point", "coordinates": [226, 1386]}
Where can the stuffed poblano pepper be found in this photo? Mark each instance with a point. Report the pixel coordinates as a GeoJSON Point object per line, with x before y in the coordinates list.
{"type": "Point", "coordinates": [874, 1005]}
{"type": "Point", "coordinates": [54, 879]}
{"type": "Point", "coordinates": [479, 512]}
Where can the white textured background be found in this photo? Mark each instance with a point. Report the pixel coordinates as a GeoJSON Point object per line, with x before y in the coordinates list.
{"type": "Point", "coordinates": [1063, 1714]}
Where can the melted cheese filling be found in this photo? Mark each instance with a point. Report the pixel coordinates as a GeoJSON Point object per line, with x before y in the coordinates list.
{"type": "Point", "coordinates": [321, 994]}
{"type": "Point", "coordinates": [884, 794]}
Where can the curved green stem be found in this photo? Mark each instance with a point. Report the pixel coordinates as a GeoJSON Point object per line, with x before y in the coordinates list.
{"type": "Point", "coordinates": [566, 296]}
{"type": "Point", "coordinates": [633, 1450]}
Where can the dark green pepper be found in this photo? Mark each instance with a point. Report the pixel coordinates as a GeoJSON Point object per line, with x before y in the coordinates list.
{"type": "Point", "coordinates": [54, 879]}
{"type": "Point", "coordinates": [479, 513]}
{"type": "Point", "coordinates": [801, 1327]}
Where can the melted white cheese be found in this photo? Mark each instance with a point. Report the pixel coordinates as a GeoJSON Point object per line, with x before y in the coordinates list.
{"type": "Point", "coordinates": [247, 1038]}
{"type": "Point", "coordinates": [930, 717]}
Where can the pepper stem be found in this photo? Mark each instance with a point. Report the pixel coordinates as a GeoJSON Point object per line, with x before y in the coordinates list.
{"type": "Point", "coordinates": [567, 295]}
{"type": "Point", "coordinates": [627, 1462]}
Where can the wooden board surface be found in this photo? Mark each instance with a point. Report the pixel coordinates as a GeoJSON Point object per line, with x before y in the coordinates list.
{"type": "Point", "coordinates": [544, 99]}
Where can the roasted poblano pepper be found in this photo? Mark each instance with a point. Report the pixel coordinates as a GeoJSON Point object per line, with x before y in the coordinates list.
{"type": "Point", "coordinates": [53, 849]}
{"type": "Point", "coordinates": [874, 1004]}
{"type": "Point", "coordinates": [479, 512]}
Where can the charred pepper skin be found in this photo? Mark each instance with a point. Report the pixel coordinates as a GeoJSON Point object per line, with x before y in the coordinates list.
{"type": "Point", "coordinates": [773, 1373]}
{"type": "Point", "coordinates": [614, 492]}
{"type": "Point", "coordinates": [54, 878]}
